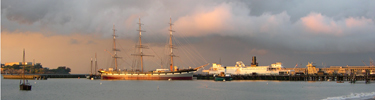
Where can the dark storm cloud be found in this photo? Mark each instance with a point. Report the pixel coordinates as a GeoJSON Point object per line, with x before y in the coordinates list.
{"type": "Point", "coordinates": [27, 13]}
{"type": "Point", "coordinates": [336, 9]}
{"type": "Point", "coordinates": [94, 16]}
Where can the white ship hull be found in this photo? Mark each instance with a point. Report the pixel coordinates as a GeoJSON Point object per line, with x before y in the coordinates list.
{"type": "Point", "coordinates": [246, 72]}
{"type": "Point", "coordinates": [241, 69]}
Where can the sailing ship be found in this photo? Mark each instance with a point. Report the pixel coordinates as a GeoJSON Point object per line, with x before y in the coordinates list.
{"type": "Point", "coordinates": [25, 85]}
{"type": "Point", "coordinates": [93, 76]}
{"type": "Point", "coordinates": [158, 74]}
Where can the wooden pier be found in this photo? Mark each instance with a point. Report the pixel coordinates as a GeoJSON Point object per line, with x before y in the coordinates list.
{"type": "Point", "coordinates": [39, 77]}
{"type": "Point", "coordinates": [44, 76]}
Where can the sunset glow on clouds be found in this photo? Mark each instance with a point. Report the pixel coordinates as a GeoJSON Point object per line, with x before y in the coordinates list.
{"type": "Point", "coordinates": [358, 22]}
{"type": "Point", "coordinates": [320, 24]}
{"type": "Point", "coordinates": [204, 22]}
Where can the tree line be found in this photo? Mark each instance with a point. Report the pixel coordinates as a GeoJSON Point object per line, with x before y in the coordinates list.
{"type": "Point", "coordinates": [36, 69]}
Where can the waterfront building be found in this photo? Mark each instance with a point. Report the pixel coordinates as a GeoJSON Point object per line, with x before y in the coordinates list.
{"type": "Point", "coordinates": [311, 69]}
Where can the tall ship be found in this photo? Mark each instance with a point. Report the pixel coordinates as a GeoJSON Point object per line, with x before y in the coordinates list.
{"type": "Point", "coordinates": [241, 69]}
{"type": "Point", "coordinates": [158, 74]}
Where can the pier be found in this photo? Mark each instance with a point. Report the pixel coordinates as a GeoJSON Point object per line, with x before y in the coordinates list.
{"type": "Point", "coordinates": [21, 77]}
{"type": "Point", "coordinates": [349, 78]}
{"type": "Point", "coordinates": [45, 76]}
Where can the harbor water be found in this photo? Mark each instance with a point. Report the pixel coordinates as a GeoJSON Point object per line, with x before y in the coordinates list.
{"type": "Point", "coordinates": [84, 89]}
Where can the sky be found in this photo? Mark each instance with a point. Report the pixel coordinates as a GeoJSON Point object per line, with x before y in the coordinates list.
{"type": "Point", "coordinates": [69, 33]}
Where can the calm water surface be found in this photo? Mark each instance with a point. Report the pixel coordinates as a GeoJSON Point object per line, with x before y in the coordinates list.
{"type": "Point", "coordinates": [84, 89]}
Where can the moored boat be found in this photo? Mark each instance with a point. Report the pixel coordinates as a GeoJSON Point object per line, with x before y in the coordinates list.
{"type": "Point", "coordinates": [25, 85]}
{"type": "Point", "coordinates": [241, 69]}
{"type": "Point", "coordinates": [93, 76]}
{"type": "Point", "coordinates": [168, 74]}
{"type": "Point", "coordinates": [223, 77]}
{"type": "Point", "coordinates": [180, 74]}
{"type": "Point", "coordinates": [128, 75]}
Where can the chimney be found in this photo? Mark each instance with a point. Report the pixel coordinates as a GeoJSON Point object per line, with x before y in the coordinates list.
{"type": "Point", "coordinates": [254, 62]}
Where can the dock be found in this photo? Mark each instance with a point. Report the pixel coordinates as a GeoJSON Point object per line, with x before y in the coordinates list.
{"type": "Point", "coordinates": [21, 77]}
{"type": "Point", "coordinates": [350, 78]}
{"type": "Point", "coordinates": [44, 76]}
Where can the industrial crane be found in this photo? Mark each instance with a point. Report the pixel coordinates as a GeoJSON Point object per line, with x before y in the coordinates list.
{"type": "Point", "coordinates": [364, 63]}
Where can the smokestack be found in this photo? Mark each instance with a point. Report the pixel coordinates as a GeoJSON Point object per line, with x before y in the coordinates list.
{"type": "Point", "coordinates": [225, 70]}
{"type": "Point", "coordinates": [254, 61]}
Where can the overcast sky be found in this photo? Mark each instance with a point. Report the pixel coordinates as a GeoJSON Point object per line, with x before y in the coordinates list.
{"type": "Point", "coordinates": [68, 33]}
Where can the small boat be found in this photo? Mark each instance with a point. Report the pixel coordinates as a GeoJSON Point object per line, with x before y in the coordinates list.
{"type": "Point", "coordinates": [339, 81]}
{"type": "Point", "coordinates": [25, 85]}
{"type": "Point", "coordinates": [223, 76]}
{"type": "Point", "coordinates": [93, 77]}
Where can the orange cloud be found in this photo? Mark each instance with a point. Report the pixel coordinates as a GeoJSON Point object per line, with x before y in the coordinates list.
{"type": "Point", "coordinates": [317, 23]}
{"type": "Point", "coordinates": [204, 22]}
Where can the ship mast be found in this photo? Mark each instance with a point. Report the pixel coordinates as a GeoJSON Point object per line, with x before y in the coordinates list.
{"type": "Point", "coordinates": [114, 47]}
{"type": "Point", "coordinates": [96, 64]}
{"type": "Point", "coordinates": [170, 43]}
{"type": "Point", "coordinates": [91, 68]}
{"type": "Point", "coordinates": [24, 64]}
{"type": "Point", "coordinates": [140, 46]}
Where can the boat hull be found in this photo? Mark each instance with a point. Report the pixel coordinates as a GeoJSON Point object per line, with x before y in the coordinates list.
{"type": "Point", "coordinates": [25, 87]}
{"type": "Point", "coordinates": [149, 76]}
{"type": "Point", "coordinates": [223, 78]}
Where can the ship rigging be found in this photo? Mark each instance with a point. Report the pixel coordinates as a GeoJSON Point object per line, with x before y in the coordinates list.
{"type": "Point", "coordinates": [172, 74]}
